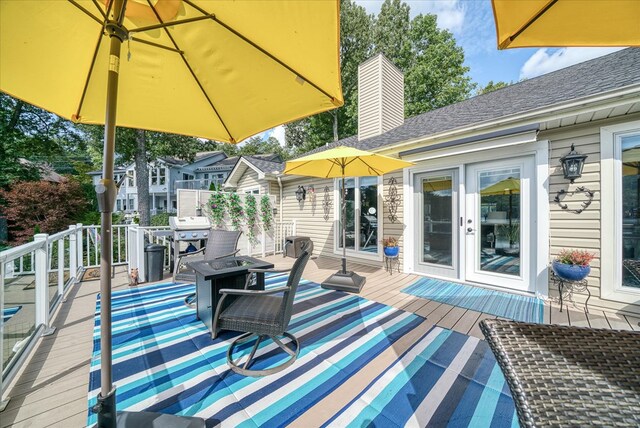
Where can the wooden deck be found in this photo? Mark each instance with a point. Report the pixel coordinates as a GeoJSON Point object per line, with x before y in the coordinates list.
{"type": "Point", "coordinates": [52, 389]}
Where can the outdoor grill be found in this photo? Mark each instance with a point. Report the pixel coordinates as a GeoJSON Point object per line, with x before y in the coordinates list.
{"type": "Point", "coordinates": [188, 229]}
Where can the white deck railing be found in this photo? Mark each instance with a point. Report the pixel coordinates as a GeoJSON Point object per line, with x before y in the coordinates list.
{"type": "Point", "coordinates": [35, 276]}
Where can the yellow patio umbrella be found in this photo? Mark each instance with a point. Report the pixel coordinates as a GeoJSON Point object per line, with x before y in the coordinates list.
{"type": "Point", "coordinates": [555, 23]}
{"type": "Point", "coordinates": [222, 70]}
{"type": "Point", "coordinates": [341, 162]}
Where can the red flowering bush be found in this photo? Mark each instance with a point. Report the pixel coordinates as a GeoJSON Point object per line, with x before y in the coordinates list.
{"type": "Point", "coordinates": [575, 257]}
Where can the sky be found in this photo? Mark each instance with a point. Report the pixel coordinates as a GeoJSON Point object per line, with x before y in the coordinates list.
{"type": "Point", "coordinates": [471, 22]}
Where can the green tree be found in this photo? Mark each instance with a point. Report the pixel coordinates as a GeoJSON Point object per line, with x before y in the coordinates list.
{"type": "Point", "coordinates": [432, 63]}
{"type": "Point", "coordinates": [491, 86]}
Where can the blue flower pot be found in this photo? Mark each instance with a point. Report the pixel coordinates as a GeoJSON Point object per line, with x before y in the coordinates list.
{"type": "Point", "coordinates": [391, 251]}
{"type": "Point", "coordinates": [570, 272]}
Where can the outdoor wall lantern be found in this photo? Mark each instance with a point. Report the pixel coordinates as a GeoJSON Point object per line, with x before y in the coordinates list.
{"type": "Point", "coordinates": [572, 164]}
{"type": "Point", "coordinates": [301, 194]}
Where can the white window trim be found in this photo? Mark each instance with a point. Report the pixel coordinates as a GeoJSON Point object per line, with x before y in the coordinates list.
{"type": "Point", "coordinates": [252, 190]}
{"type": "Point", "coordinates": [337, 249]}
{"type": "Point", "coordinates": [611, 213]}
{"type": "Point", "coordinates": [479, 152]}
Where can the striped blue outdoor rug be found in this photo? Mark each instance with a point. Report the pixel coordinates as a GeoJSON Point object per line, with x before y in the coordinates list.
{"type": "Point", "coordinates": [506, 305]}
{"type": "Point", "coordinates": [7, 313]}
{"type": "Point", "coordinates": [164, 360]}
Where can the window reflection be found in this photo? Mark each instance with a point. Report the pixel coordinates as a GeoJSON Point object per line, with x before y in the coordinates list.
{"type": "Point", "coordinates": [361, 199]}
{"type": "Point", "coordinates": [438, 228]}
{"type": "Point", "coordinates": [631, 211]}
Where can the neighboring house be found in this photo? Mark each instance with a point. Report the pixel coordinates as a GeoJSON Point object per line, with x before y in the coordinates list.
{"type": "Point", "coordinates": [459, 214]}
{"type": "Point", "coordinates": [166, 175]}
{"type": "Point", "coordinates": [255, 174]}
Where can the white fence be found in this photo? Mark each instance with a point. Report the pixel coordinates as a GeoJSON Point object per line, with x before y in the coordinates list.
{"type": "Point", "coordinates": [35, 276]}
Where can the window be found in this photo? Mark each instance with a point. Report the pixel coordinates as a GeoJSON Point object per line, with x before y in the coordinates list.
{"type": "Point", "coordinates": [362, 214]}
{"type": "Point", "coordinates": [206, 176]}
{"type": "Point", "coordinates": [186, 176]}
{"type": "Point", "coordinates": [620, 212]}
{"type": "Point", "coordinates": [254, 191]}
{"type": "Point", "coordinates": [630, 212]}
{"type": "Point", "coordinates": [131, 178]}
{"type": "Point", "coordinates": [118, 205]}
{"type": "Point", "coordinates": [162, 173]}
{"type": "Point", "coordinates": [153, 174]}
{"type": "Point", "coordinates": [131, 206]}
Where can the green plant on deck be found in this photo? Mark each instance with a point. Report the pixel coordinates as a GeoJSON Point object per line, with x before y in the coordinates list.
{"type": "Point", "coordinates": [251, 213]}
{"type": "Point", "coordinates": [216, 208]}
{"type": "Point", "coordinates": [266, 212]}
{"type": "Point", "coordinates": [236, 213]}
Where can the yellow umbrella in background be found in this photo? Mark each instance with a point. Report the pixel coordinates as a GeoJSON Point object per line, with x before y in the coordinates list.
{"type": "Point", "coordinates": [223, 70]}
{"type": "Point", "coordinates": [341, 162]}
{"type": "Point", "coordinates": [555, 23]}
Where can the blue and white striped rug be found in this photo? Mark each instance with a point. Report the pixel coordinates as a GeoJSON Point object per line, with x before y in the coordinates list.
{"type": "Point", "coordinates": [7, 313]}
{"type": "Point", "coordinates": [166, 361]}
{"type": "Point", "coordinates": [507, 305]}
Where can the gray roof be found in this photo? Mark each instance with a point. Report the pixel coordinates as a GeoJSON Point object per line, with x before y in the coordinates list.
{"type": "Point", "coordinates": [266, 163]}
{"type": "Point", "coordinates": [170, 160]}
{"type": "Point", "coordinates": [600, 75]}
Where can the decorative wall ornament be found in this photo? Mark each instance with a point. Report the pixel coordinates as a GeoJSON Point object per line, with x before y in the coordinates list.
{"type": "Point", "coordinates": [326, 203]}
{"type": "Point", "coordinates": [311, 193]}
{"type": "Point", "coordinates": [393, 199]}
{"type": "Point", "coordinates": [578, 190]}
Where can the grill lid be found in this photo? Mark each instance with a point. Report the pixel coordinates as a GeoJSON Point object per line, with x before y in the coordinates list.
{"type": "Point", "coordinates": [189, 223]}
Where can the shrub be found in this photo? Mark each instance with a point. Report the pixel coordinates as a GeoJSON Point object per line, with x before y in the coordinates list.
{"type": "Point", "coordinates": [161, 219]}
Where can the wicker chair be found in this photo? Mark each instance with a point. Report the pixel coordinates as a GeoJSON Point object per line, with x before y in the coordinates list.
{"type": "Point", "coordinates": [220, 244]}
{"type": "Point", "coordinates": [568, 376]}
{"type": "Point", "coordinates": [260, 314]}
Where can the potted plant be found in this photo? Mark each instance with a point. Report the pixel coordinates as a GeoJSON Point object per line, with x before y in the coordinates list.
{"type": "Point", "coordinates": [573, 265]}
{"type": "Point", "coordinates": [390, 245]}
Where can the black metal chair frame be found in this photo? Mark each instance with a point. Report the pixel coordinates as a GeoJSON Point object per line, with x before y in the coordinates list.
{"type": "Point", "coordinates": [208, 252]}
{"type": "Point", "coordinates": [259, 332]}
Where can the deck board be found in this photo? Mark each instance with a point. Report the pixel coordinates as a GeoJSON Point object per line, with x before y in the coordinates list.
{"type": "Point", "coordinates": [52, 389]}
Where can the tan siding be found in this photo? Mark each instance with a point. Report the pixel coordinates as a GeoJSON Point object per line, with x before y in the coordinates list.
{"type": "Point", "coordinates": [309, 215]}
{"type": "Point", "coordinates": [396, 228]}
{"type": "Point", "coordinates": [249, 180]}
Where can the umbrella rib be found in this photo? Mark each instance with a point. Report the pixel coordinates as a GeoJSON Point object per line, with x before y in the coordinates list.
{"type": "Point", "coordinates": [93, 63]}
{"type": "Point", "coordinates": [377, 171]}
{"type": "Point", "coordinates": [533, 19]}
{"type": "Point", "coordinates": [170, 24]}
{"type": "Point", "coordinates": [264, 51]}
{"type": "Point", "coordinates": [157, 45]}
{"type": "Point", "coordinates": [104, 16]}
{"type": "Point", "coordinates": [193, 74]}
{"type": "Point", "coordinates": [91, 15]}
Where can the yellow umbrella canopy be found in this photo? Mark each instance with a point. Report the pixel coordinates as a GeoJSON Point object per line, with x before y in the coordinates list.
{"type": "Point", "coordinates": [538, 23]}
{"type": "Point", "coordinates": [503, 187]}
{"type": "Point", "coordinates": [344, 162]}
{"type": "Point", "coordinates": [223, 70]}
{"type": "Point", "coordinates": [341, 162]}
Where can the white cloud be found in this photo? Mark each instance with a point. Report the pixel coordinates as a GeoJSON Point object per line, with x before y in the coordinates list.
{"type": "Point", "coordinates": [278, 133]}
{"type": "Point", "coordinates": [546, 60]}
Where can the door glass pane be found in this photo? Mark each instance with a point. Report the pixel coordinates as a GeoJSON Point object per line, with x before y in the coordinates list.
{"type": "Point", "coordinates": [631, 211]}
{"type": "Point", "coordinates": [368, 214]}
{"type": "Point", "coordinates": [437, 214]}
{"type": "Point", "coordinates": [350, 216]}
{"type": "Point", "coordinates": [499, 215]}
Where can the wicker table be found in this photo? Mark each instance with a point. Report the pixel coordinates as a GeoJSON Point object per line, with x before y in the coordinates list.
{"type": "Point", "coordinates": [568, 376]}
{"type": "Point", "coordinates": [568, 287]}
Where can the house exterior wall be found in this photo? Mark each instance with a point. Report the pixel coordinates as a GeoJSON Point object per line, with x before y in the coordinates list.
{"type": "Point", "coordinates": [250, 180]}
{"type": "Point", "coordinates": [582, 231]}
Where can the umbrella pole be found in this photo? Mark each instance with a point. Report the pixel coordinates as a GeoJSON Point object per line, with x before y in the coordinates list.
{"type": "Point", "coordinates": [344, 224]}
{"type": "Point", "coordinates": [106, 192]}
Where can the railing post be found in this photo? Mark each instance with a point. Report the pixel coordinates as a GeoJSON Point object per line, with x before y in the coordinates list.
{"type": "Point", "coordinates": [42, 284]}
{"type": "Point", "coordinates": [140, 254]}
{"type": "Point", "coordinates": [264, 242]}
{"type": "Point", "coordinates": [61, 267]}
{"type": "Point", "coordinates": [73, 253]}
{"type": "Point", "coordinates": [3, 401]}
{"type": "Point", "coordinates": [293, 231]}
{"type": "Point", "coordinates": [79, 244]}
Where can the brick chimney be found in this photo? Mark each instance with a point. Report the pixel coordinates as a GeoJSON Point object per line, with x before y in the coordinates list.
{"type": "Point", "coordinates": [380, 97]}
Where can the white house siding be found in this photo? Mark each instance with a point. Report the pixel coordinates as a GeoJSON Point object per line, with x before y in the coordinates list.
{"type": "Point", "coordinates": [582, 231]}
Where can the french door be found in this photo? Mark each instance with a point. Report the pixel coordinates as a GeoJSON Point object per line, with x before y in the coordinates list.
{"type": "Point", "coordinates": [498, 223]}
{"type": "Point", "coordinates": [436, 202]}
